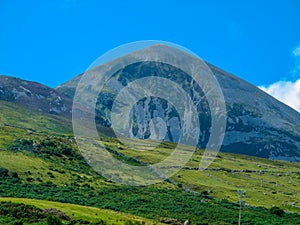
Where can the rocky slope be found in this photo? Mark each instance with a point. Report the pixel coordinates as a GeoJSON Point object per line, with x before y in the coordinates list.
{"type": "Point", "coordinates": [257, 124]}
{"type": "Point", "coordinates": [35, 96]}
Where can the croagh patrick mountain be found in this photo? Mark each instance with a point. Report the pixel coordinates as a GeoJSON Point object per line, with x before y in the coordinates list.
{"type": "Point", "coordinates": [45, 180]}
{"type": "Point", "coordinates": [257, 124]}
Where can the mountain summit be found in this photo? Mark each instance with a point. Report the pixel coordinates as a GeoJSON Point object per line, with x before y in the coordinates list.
{"type": "Point", "coordinates": [257, 124]}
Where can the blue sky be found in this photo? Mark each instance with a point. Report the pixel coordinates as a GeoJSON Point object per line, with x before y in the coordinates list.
{"type": "Point", "coordinates": [52, 41]}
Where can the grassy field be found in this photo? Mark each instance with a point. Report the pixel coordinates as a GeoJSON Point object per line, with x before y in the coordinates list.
{"type": "Point", "coordinates": [77, 212]}
{"type": "Point", "coordinates": [37, 163]}
{"type": "Point", "coordinates": [266, 182]}
{"type": "Point", "coordinates": [19, 116]}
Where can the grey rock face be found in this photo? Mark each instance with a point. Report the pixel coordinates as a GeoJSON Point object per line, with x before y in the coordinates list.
{"type": "Point", "coordinates": [257, 124]}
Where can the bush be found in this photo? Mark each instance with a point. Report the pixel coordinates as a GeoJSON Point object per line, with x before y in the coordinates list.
{"type": "Point", "coordinates": [51, 175]}
{"type": "Point", "coordinates": [3, 172]}
{"type": "Point", "coordinates": [20, 211]}
{"type": "Point", "coordinates": [21, 144]}
{"type": "Point", "coordinates": [57, 213]}
{"type": "Point", "coordinates": [277, 211]}
{"type": "Point", "coordinates": [53, 220]}
{"type": "Point", "coordinates": [204, 192]}
{"type": "Point", "coordinates": [67, 151]}
{"type": "Point", "coordinates": [15, 175]}
{"type": "Point", "coordinates": [18, 223]}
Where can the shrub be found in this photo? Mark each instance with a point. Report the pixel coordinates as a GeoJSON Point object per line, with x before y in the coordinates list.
{"type": "Point", "coordinates": [204, 192]}
{"type": "Point", "coordinates": [18, 223]}
{"type": "Point", "coordinates": [14, 175]}
{"type": "Point", "coordinates": [3, 172]}
{"type": "Point", "coordinates": [21, 144]}
{"type": "Point", "coordinates": [57, 213]}
{"type": "Point", "coordinates": [20, 210]}
{"type": "Point", "coordinates": [29, 179]}
{"type": "Point", "coordinates": [169, 221]}
{"type": "Point", "coordinates": [51, 175]}
{"type": "Point", "coordinates": [53, 220]}
{"type": "Point", "coordinates": [277, 211]}
{"type": "Point", "coordinates": [67, 151]}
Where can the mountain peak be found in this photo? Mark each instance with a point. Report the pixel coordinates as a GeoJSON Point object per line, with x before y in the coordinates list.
{"type": "Point", "coordinates": [257, 123]}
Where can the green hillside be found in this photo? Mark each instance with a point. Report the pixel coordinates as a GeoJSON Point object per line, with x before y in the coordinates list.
{"type": "Point", "coordinates": [41, 165]}
{"type": "Point", "coordinates": [16, 115]}
{"type": "Point", "coordinates": [266, 182]}
{"type": "Point", "coordinates": [78, 213]}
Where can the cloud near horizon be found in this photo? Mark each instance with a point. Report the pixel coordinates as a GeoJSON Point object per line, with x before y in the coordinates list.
{"type": "Point", "coordinates": [285, 91]}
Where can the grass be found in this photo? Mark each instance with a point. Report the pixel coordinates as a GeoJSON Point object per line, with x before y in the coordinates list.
{"type": "Point", "coordinates": [70, 184]}
{"type": "Point", "coordinates": [227, 174]}
{"type": "Point", "coordinates": [19, 116]}
{"type": "Point", "coordinates": [67, 177]}
{"type": "Point", "coordinates": [259, 177]}
{"type": "Point", "coordinates": [77, 212]}
{"type": "Point", "coordinates": [33, 167]}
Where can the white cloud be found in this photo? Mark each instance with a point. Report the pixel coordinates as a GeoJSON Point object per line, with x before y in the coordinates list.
{"type": "Point", "coordinates": [296, 51]}
{"type": "Point", "coordinates": [285, 91]}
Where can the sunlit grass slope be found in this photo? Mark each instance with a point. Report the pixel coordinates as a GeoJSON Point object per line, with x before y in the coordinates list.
{"type": "Point", "coordinates": [77, 212]}
{"type": "Point", "coordinates": [266, 182]}
{"type": "Point", "coordinates": [15, 115]}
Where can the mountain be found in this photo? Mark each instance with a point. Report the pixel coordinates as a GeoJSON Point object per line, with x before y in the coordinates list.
{"type": "Point", "coordinates": [257, 124]}
{"type": "Point", "coordinates": [33, 106]}
{"type": "Point", "coordinates": [34, 96]}
{"type": "Point", "coordinates": [42, 168]}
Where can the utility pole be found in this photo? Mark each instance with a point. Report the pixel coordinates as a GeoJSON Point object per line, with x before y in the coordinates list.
{"type": "Point", "coordinates": [242, 203]}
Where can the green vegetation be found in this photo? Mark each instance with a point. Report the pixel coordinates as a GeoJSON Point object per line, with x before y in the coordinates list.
{"type": "Point", "coordinates": [277, 211]}
{"type": "Point", "coordinates": [32, 211]}
{"type": "Point", "coordinates": [153, 202]}
{"type": "Point", "coordinates": [20, 213]}
{"type": "Point", "coordinates": [19, 116]}
{"type": "Point", "coordinates": [266, 182]}
{"type": "Point", "coordinates": [44, 169]}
